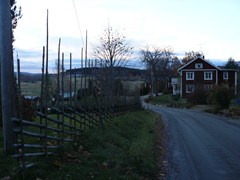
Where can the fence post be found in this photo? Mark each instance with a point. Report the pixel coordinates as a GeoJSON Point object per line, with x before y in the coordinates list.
{"type": "Point", "coordinates": [6, 59]}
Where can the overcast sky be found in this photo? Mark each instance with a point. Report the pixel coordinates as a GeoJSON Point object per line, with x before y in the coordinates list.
{"type": "Point", "coordinates": [210, 26]}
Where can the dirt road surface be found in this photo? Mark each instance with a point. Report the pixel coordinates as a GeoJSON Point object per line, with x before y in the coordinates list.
{"type": "Point", "coordinates": [200, 145]}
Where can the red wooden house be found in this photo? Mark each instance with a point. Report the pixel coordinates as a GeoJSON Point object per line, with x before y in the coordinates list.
{"type": "Point", "coordinates": [200, 73]}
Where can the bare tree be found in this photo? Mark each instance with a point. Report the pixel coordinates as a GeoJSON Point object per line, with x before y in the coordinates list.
{"type": "Point", "coordinates": [158, 62]}
{"type": "Point", "coordinates": [113, 49]}
{"type": "Point", "coordinates": [191, 55]}
{"type": "Point", "coordinates": [175, 65]}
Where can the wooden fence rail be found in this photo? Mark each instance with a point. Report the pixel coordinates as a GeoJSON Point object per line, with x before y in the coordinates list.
{"type": "Point", "coordinates": [91, 101]}
{"type": "Point", "coordinates": [64, 120]}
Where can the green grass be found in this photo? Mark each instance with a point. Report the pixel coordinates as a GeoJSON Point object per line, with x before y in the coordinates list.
{"type": "Point", "coordinates": [169, 100]}
{"type": "Point", "coordinates": [163, 99]}
{"type": "Point", "coordinates": [34, 88]}
{"type": "Point", "coordinates": [31, 89]}
{"type": "Point", "coordinates": [122, 149]}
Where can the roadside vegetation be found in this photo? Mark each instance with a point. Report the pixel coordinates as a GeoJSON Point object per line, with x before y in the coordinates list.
{"type": "Point", "coordinates": [168, 100]}
{"type": "Point", "coordinates": [123, 149]}
{"type": "Point", "coordinates": [219, 100]}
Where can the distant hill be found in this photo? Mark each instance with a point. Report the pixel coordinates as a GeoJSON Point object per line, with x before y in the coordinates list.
{"type": "Point", "coordinates": [29, 77]}
{"type": "Point", "coordinates": [123, 73]}
{"type": "Point", "coordinates": [120, 72]}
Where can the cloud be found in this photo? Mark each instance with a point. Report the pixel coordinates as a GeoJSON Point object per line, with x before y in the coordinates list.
{"type": "Point", "coordinates": [183, 25]}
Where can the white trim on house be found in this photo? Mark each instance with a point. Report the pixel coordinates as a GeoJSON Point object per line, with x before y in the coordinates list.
{"type": "Point", "coordinates": [190, 75]}
{"type": "Point", "coordinates": [198, 65]}
{"type": "Point", "coordinates": [208, 75]}
{"type": "Point", "coordinates": [195, 60]}
{"type": "Point", "coordinates": [198, 70]}
{"type": "Point", "coordinates": [225, 75]}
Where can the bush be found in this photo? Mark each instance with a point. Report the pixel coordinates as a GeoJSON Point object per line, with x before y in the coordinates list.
{"type": "Point", "coordinates": [198, 97]}
{"type": "Point", "coordinates": [28, 111]}
{"type": "Point", "coordinates": [144, 91]}
{"type": "Point", "coordinates": [220, 97]}
{"type": "Point", "coordinates": [176, 97]}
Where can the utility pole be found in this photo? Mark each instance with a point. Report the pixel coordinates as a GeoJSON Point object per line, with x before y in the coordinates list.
{"type": "Point", "coordinates": [6, 59]}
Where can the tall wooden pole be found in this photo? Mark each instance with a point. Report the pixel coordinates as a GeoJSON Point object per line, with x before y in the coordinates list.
{"type": "Point", "coordinates": [46, 78]}
{"type": "Point", "coordinates": [58, 72]}
{"type": "Point", "coordinates": [6, 59]}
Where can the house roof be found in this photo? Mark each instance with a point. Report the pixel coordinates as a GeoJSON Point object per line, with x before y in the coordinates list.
{"type": "Point", "coordinates": [195, 60]}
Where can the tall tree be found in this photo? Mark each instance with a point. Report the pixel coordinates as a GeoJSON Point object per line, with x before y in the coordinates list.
{"type": "Point", "coordinates": [112, 49]}
{"type": "Point", "coordinates": [191, 55]}
{"type": "Point", "coordinates": [158, 62]}
{"type": "Point", "coordinates": [175, 65]}
{"type": "Point", "coordinates": [231, 64]}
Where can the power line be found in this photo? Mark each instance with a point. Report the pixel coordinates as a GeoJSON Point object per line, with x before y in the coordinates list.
{"type": "Point", "coordinates": [79, 27]}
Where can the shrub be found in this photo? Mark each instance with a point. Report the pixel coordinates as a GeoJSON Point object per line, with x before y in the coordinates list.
{"type": "Point", "coordinates": [220, 97]}
{"type": "Point", "coordinates": [198, 97]}
{"type": "Point", "coordinates": [176, 97]}
{"type": "Point", "coordinates": [28, 111]}
{"type": "Point", "coordinates": [144, 91]}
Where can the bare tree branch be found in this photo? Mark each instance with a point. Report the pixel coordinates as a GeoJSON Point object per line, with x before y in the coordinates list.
{"type": "Point", "coordinates": [159, 62]}
{"type": "Point", "coordinates": [113, 49]}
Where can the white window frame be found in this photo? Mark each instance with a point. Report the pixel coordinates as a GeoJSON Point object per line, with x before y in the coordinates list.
{"type": "Point", "coordinates": [208, 75]}
{"type": "Point", "coordinates": [207, 87]}
{"type": "Point", "coordinates": [198, 66]}
{"type": "Point", "coordinates": [189, 75]}
{"type": "Point", "coordinates": [189, 88]}
{"type": "Point", "coordinates": [225, 75]}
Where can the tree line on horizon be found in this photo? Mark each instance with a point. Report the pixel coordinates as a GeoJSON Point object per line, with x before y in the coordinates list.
{"type": "Point", "coordinates": [114, 50]}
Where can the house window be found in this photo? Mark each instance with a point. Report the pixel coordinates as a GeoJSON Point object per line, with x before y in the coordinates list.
{"type": "Point", "coordinates": [225, 75]}
{"type": "Point", "coordinates": [198, 65]}
{"type": "Point", "coordinates": [207, 87]}
{"type": "Point", "coordinates": [208, 76]}
{"type": "Point", "coordinates": [189, 88]}
{"type": "Point", "coordinates": [189, 75]}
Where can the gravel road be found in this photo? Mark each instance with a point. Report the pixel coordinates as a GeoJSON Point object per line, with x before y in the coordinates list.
{"type": "Point", "coordinates": [200, 145]}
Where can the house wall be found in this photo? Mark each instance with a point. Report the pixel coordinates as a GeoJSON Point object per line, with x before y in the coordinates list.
{"type": "Point", "coordinates": [200, 82]}
{"type": "Point", "coordinates": [231, 78]}
{"type": "Point", "coordinates": [199, 60]}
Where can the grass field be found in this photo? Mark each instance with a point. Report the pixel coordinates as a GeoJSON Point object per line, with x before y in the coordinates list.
{"type": "Point", "coordinates": [34, 88]}
{"type": "Point", "coordinates": [123, 149]}
{"type": "Point", "coordinates": [31, 89]}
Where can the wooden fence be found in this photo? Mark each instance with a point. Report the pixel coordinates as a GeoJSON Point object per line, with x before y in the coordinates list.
{"type": "Point", "coordinates": [78, 103]}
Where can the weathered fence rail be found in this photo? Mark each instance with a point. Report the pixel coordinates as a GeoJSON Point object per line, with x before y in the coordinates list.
{"type": "Point", "coordinates": [90, 102]}
{"type": "Point", "coordinates": [64, 120]}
